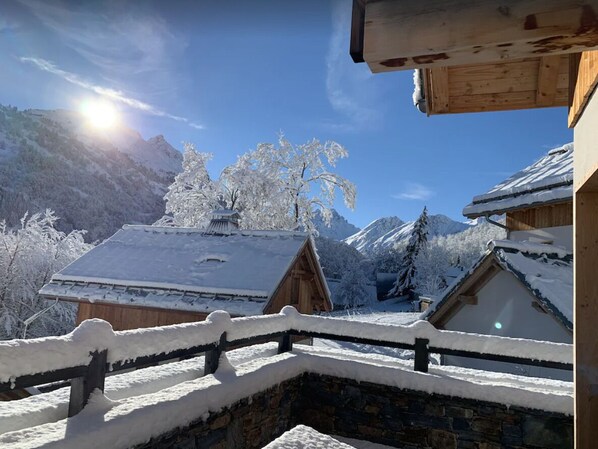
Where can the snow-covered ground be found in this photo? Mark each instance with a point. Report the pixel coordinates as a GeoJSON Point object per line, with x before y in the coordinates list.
{"type": "Point", "coordinates": [386, 312]}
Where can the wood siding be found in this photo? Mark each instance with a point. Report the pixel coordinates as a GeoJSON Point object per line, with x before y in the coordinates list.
{"type": "Point", "coordinates": [541, 217]}
{"type": "Point", "coordinates": [127, 317]}
{"type": "Point", "coordinates": [584, 78]}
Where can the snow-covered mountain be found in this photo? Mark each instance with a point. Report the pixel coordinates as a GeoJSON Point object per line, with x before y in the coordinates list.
{"type": "Point", "coordinates": [339, 228]}
{"type": "Point", "coordinates": [94, 179]}
{"type": "Point", "coordinates": [155, 153]}
{"type": "Point", "coordinates": [363, 240]}
{"type": "Point", "coordinates": [385, 233]}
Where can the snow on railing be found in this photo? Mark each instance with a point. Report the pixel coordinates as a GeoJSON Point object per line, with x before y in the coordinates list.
{"type": "Point", "coordinates": [86, 354]}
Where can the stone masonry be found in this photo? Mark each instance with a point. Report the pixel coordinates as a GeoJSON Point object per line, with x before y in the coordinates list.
{"type": "Point", "coordinates": [378, 413]}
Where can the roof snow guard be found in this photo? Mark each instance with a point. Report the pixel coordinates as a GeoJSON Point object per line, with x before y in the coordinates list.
{"type": "Point", "coordinates": [547, 181]}
{"type": "Point", "coordinates": [181, 268]}
{"type": "Point", "coordinates": [545, 270]}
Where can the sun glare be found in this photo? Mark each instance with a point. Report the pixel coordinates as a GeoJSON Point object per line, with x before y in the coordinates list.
{"type": "Point", "coordinates": [100, 114]}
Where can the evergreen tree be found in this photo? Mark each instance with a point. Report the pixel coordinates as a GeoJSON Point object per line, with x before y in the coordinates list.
{"type": "Point", "coordinates": [405, 284]}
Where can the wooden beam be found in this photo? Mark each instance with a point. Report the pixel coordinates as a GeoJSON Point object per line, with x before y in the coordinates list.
{"type": "Point", "coordinates": [471, 300]}
{"type": "Point", "coordinates": [586, 311]}
{"type": "Point", "coordinates": [409, 34]}
{"type": "Point", "coordinates": [357, 28]}
{"type": "Point", "coordinates": [438, 89]}
{"type": "Point", "coordinates": [585, 83]}
{"type": "Point", "coordinates": [548, 74]}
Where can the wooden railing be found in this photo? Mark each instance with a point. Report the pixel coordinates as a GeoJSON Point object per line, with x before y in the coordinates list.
{"type": "Point", "coordinates": [224, 333]}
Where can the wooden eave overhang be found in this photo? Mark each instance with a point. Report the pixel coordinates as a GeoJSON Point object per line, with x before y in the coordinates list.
{"type": "Point", "coordinates": [479, 55]}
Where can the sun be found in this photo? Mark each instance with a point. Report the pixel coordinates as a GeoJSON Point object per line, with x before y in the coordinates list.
{"type": "Point", "coordinates": [100, 114]}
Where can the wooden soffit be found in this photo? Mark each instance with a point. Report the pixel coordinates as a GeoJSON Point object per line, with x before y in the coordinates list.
{"type": "Point", "coordinates": [477, 55]}
{"type": "Point", "coordinates": [514, 84]}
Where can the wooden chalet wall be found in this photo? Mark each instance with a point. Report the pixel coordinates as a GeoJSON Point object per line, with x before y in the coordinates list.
{"type": "Point", "coordinates": [301, 287]}
{"type": "Point", "coordinates": [541, 217]}
{"type": "Point", "coordinates": [128, 317]}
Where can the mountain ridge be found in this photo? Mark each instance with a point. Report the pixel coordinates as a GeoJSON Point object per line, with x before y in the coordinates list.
{"type": "Point", "coordinates": [93, 180]}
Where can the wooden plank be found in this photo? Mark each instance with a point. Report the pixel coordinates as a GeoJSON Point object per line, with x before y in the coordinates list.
{"type": "Point", "coordinates": [541, 217]}
{"type": "Point", "coordinates": [586, 311]}
{"type": "Point", "coordinates": [410, 34]}
{"type": "Point", "coordinates": [586, 81]}
{"type": "Point", "coordinates": [357, 29]}
{"type": "Point", "coordinates": [82, 387]}
{"type": "Point", "coordinates": [438, 79]}
{"type": "Point", "coordinates": [471, 300]}
{"type": "Point", "coordinates": [548, 74]}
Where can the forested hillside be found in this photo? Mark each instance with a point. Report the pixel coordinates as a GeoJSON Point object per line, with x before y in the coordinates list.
{"type": "Point", "coordinates": [96, 182]}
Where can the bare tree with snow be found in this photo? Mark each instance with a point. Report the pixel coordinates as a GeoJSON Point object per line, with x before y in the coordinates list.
{"type": "Point", "coordinates": [29, 256]}
{"type": "Point", "coordinates": [273, 187]}
{"type": "Point", "coordinates": [307, 184]}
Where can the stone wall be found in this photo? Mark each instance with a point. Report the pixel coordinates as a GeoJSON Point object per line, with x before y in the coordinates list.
{"type": "Point", "coordinates": [250, 423]}
{"type": "Point", "coordinates": [411, 419]}
{"type": "Point", "coordinates": [381, 414]}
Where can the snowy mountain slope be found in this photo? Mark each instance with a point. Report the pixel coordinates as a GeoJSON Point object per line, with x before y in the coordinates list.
{"type": "Point", "coordinates": [385, 233]}
{"type": "Point", "coordinates": [339, 228]}
{"type": "Point", "coordinates": [155, 153]}
{"type": "Point", "coordinates": [97, 182]}
{"type": "Point", "coordinates": [363, 239]}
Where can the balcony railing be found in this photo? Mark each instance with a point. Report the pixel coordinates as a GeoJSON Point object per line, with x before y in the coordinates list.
{"type": "Point", "coordinates": [85, 356]}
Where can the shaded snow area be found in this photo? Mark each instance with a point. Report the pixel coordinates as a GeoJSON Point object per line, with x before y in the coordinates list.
{"type": "Point", "coordinates": [545, 269]}
{"type": "Point", "coordinates": [548, 179]}
{"type": "Point", "coordinates": [179, 268]}
{"type": "Point", "coordinates": [121, 423]}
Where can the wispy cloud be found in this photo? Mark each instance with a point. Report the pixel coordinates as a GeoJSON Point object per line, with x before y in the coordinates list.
{"type": "Point", "coordinates": [414, 191]}
{"type": "Point", "coordinates": [347, 85]}
{"type": "Point", "coordinates": [132, 49]}
{"type": "Point", "coordinates": [106, 92]}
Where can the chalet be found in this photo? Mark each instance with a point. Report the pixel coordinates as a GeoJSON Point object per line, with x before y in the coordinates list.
{"type": "Point", "coordinates": [521, 287]}
{"type": "Point", "coordinates": [488, 55]}
{"type": "Point", "coordinates": [146, 276]}
{"type": "Point", "coordinates": [537, 201]}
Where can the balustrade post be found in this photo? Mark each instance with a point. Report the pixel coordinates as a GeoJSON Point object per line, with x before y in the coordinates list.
{"type": "Point", "coordinates": [82, 387]}
{"type": "Point", "coordinates": [421, 355]}
{"type": "Point", "coordinates": [285, 343]}
{"type": "Point", "coordinates": [212, 357]}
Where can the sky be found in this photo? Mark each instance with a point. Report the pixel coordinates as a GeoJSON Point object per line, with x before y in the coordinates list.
{"type": "Point", "coordinates": [228, 75]}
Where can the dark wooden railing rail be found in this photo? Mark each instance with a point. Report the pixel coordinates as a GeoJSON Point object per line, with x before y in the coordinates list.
{"type": "Point", "coordinates": [85, 379]}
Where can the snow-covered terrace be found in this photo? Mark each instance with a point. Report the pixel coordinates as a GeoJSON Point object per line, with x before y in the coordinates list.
{"type": "Point", "coordinates": [150, 402]}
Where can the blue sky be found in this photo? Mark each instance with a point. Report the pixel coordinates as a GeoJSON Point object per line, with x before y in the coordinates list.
{"type": "Point", "coordinates": [227, 75]}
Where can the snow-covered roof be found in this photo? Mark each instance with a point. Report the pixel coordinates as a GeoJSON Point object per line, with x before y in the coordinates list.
{"type": "Point", "coordinates": [548, 180]}
{"type": "Point", "coordinates": [182, 268]}
{"type": "Point", "coordinates": [545, 270]}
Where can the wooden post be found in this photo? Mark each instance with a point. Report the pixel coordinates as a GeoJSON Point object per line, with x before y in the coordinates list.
{"type": "Point", "coordinates": [421, 354]}
{"type": "Point", "coordinates": [212, 357]}
{"type": "Point", "coordinates": [82, 387]}
{"type": "Point", "coordinates": [285, 344]}
{"type": "Point", "coordinates": [586, 312]}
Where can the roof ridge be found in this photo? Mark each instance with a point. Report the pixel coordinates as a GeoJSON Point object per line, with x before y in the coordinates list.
{"type": "Point", "coordinates": [241, 232]}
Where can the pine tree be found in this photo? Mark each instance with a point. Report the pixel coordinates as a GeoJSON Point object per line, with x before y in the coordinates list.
{"type": "Point", "coordinates": [405, 284]}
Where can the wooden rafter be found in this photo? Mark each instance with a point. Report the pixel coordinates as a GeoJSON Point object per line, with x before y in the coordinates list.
{"type": "Point", "coordinates": [548, 74]}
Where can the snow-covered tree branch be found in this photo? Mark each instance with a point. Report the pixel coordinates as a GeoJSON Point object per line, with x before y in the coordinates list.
{"type": "Point", "coordinates": [29, 256]}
